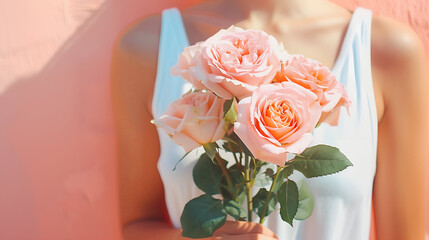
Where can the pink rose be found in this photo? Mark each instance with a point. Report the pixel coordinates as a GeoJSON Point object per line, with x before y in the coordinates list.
{"type": "Point", "coordinates": [194, 120]}
{"type": "Point", "coordinates": [319, 79]}
{"type": "Point", "coordinates": [186, 66]}
{"type": "Point", "coordinates": [277, 119]}
{"type": "Point", "coordinates": [233, 62]}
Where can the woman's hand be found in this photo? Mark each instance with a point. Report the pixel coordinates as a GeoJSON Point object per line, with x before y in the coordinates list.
{"type": "Point", "coordinates": [237, 230]}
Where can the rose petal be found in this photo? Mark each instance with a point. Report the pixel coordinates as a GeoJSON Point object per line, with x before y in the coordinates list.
{"type": "Point", "coordinates": [186, 142]}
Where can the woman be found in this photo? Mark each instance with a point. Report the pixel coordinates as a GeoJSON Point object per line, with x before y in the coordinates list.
{"type": "Point", "coordinates": [319, 30]}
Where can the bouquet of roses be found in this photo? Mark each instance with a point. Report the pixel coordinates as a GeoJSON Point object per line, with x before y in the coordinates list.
{"type": "Point", "coordinates": [257, 105]}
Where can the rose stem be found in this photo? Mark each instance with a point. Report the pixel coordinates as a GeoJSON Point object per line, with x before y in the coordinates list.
{"type": "Point", "coordinates": [225, 172]}
{"type": "Point", "coordinates": [248, 190]}
{"type": "Point", "coordinates": [254, 173]}
{"type": "Point", "coordinates": [269, 195]}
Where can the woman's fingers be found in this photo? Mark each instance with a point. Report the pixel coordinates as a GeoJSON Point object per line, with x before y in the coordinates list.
{"type": "Point", "coordinates": [247, 236]}
{"type": "Point", "coordinates": [243, 228]}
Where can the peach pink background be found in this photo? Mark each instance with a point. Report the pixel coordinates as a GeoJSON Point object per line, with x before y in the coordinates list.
{"type": "Point", "coordinates": [58, 176]}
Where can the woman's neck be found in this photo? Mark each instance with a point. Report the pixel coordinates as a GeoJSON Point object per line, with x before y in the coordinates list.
{"type": "Point", "coordinates": [271, 12]}
{"type": "Point", "coordinates": [273, 16]}
{"type": "Point", "coordinates": [293, 8]}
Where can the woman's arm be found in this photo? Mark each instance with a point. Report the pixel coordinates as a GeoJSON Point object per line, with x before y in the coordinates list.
{"type": "Point", "coordinates": [399, 68]}
{"type": "Point", "coordinates": [132, 81]}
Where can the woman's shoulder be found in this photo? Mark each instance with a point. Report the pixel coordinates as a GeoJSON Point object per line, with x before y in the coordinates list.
{"type": "Point", "coordinates": [134, 63]}
{"type": "Point", "coordinates": [141, 38]}
{"type": "Point", "coordinates": [394, 44]}
{"type": "Point", "coordinates": [398, 61]}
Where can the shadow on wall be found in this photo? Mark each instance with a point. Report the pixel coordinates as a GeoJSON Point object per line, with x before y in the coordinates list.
{"type": "Point", "coordinates": [57, 145]}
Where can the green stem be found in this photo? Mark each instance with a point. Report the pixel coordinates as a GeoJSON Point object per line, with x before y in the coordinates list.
{"type": "Point", "coordinates": [225, 172]}
{"type": "Point", "coordinates": [265, 209]}
{"type": "Point", "coordinates": [236, 161]}
{"type": "Point", "coordinates": [248, 190]}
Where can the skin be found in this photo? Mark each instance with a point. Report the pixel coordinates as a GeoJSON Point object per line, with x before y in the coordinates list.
{"type": "Point", "coordinates": [400, 83]}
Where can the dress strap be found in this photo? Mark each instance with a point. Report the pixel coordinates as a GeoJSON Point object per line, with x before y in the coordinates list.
{"type": "Point", "coordinates": [364, 37]}
{"type": "Point", "coordinates": [172, 41]}
{"type": "Point", "coordinates": [364, 61]}
{"type": "Point", "coordinates": [356, 49]}
{"type": "Point", "coordinates": [354, 70]}
{"type": "Point", "coordinates": [359, 28]}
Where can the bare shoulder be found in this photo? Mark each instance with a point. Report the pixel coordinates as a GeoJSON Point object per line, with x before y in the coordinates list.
{"type": "Point", "coordinates": [395, 44]}
{"type": "Point", "coordinates": [134, 60]}
{"type": "Point", "coordinates": [398, 59]}
{"type": "Point", "coordinates": [141, 38]}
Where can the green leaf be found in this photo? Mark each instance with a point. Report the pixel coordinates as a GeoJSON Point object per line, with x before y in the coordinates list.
{"type": "Point", "coordinates": [284, 174]}
{"type": "Point", "coordinates": [287, 171]}
{"type": "Point", "coordinates": [241, 197]}
{"type": "Point", "coordinates": [237, 180]}
{"type": "Point", "coordinates": [259, 201]}
{"type": "Point", "coordinates": [320, 160]}
{"type": "Point", "coordinates": [210, 149]}
{"type": "Point", "coordinates": [231, 146]}
{"type": "Point", "coordinates": [207, 175]}
{"type": "Point", "coordinates": [306, 201]}
{"type": "Point", "coordinates": [202, 216]}
{"type": "Point", "coordinates": [288, 199]}
{"type": "Point", "coordinates": [237, 177]}
{"type": "Point", "coordinates": [235, 209]}
{"type": "Point", "coordinates": [229, 111]}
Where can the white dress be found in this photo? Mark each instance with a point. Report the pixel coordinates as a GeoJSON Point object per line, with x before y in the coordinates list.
{"type": "Point", "coordinates": [342, 208]}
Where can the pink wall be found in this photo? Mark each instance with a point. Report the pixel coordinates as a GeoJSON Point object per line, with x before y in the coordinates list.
{"type": "Point", "coordinates": [57, 151]}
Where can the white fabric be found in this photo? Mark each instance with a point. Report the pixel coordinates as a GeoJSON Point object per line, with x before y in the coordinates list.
{"type": "Point", "coordinates": [342, 201]}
